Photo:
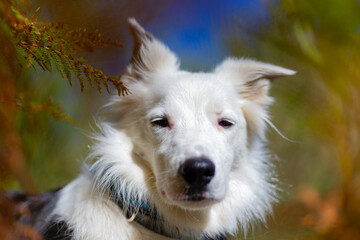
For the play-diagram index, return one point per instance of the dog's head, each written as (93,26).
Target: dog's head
(193,131)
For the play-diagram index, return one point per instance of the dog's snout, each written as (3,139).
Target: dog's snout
(197,172)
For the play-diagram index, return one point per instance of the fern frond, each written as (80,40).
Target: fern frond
(57,62)
(33,55)
(119,85)
(46,59)
(96,79)
(65,66)
(87,74)
(36,55)
(35,15)
(50,44)
(76,67)
(102,78)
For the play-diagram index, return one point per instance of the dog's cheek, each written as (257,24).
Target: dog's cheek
(235,152)
(159,172)
(238,142)
(165,177)
(144,143)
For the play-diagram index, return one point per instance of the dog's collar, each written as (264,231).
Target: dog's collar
(145,213)
(138,210)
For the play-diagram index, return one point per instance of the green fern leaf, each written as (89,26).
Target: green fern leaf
(57,62)
(122,90)
(97,80)
(47,59)
(21,51)
(33,36)
(34,16)
(65,66)
(77,70)
(102,78)
(87,74)
(37,57)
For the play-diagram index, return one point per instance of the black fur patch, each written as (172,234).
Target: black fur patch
(58,231)
(37,204)
(39,207)
(219,237)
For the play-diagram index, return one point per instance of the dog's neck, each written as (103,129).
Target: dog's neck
(138,210)
(144,212)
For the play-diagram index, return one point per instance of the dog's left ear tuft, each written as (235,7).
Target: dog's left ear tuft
(252,81)
(149,54)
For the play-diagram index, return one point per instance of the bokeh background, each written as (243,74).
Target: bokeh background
(318,109)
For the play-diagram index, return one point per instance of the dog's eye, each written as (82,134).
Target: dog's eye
(160,122)
(225,123)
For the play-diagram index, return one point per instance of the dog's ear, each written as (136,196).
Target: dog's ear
(252,81)
(149,54)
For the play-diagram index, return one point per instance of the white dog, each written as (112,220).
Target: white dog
(182,158)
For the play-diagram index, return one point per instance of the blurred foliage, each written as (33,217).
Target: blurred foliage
(320,108)
(25,41)
(24,113)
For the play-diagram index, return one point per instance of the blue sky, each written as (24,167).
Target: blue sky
(194,29)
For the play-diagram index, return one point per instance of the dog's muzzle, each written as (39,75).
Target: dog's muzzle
(197,173)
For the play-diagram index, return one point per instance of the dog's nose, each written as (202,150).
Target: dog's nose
(197,172)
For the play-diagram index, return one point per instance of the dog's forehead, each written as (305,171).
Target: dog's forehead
(199,91)
(191,86)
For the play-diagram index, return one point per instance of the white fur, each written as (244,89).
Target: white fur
(143,160)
